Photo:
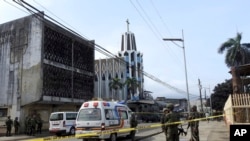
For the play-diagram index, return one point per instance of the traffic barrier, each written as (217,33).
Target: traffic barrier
(142,127)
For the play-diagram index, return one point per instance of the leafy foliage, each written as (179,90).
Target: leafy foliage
(220,95)
(115,84)
(237,53)
(132,85)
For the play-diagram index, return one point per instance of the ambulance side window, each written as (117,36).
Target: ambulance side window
(124,114)
(109,114)
(71,116)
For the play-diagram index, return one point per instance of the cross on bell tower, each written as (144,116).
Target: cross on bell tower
(127,25)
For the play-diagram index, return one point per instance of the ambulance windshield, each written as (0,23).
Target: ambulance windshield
(90,114)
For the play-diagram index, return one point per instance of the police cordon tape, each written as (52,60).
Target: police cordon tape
(98,133)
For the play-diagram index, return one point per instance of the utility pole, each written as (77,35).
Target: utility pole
(211,112)
(200,87)
(205,99)
(185,64)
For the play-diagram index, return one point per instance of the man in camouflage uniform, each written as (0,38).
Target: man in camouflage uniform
(8,124)
(133,124)
(32,125)
(16,125)
(194,124)
(165,111)
(171,130)
(26,124)
(39,124)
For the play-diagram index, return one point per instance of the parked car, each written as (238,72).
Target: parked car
(62,123)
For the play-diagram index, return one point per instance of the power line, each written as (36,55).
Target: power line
(165,26)
(154,30)
(160,17)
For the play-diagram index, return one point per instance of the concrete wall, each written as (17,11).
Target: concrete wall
(31,69)
(20,62)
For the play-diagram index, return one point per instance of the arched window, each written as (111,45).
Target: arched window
(103,77)
(110,77)
(96,78)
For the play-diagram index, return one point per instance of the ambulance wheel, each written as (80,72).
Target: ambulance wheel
(72,131)
(112,137)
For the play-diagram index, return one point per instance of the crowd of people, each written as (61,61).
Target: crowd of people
(33,124)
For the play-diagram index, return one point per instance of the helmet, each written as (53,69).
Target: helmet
(164,109)
(170,106)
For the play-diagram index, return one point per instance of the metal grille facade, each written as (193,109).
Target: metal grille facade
(68,66)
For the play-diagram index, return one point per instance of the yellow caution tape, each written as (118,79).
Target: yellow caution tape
(98,133)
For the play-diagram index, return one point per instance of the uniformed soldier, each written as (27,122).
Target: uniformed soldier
(133,124)
(26,124)
(39,124)
(165,111)
(8,124)
(194,125)
(32,125)
(16,125)
(171,130)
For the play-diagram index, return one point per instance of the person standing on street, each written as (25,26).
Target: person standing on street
(165,111)
(194,125)
(207,115)
(27,125)
(171,130)
(8,124)
(32,125)
(39,124)
(133,124)
(16,125)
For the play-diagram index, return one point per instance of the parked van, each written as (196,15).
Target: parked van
(62,123)
(102,116)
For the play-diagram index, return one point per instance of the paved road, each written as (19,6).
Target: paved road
(212,131)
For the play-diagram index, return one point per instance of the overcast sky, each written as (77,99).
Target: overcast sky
(205,24)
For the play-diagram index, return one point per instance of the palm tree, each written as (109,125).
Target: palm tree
(132,85)
(115,84)
(237,53)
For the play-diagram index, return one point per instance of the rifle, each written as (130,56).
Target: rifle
(181,131)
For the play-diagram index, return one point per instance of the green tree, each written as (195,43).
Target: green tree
(220,95)
(115,84)
(237,53)
(132,85)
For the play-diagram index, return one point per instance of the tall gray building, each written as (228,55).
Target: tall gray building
(43,68)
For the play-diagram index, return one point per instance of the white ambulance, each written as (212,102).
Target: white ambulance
(103,120)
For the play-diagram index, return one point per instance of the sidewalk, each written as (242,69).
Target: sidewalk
(219,132)
(23,136)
